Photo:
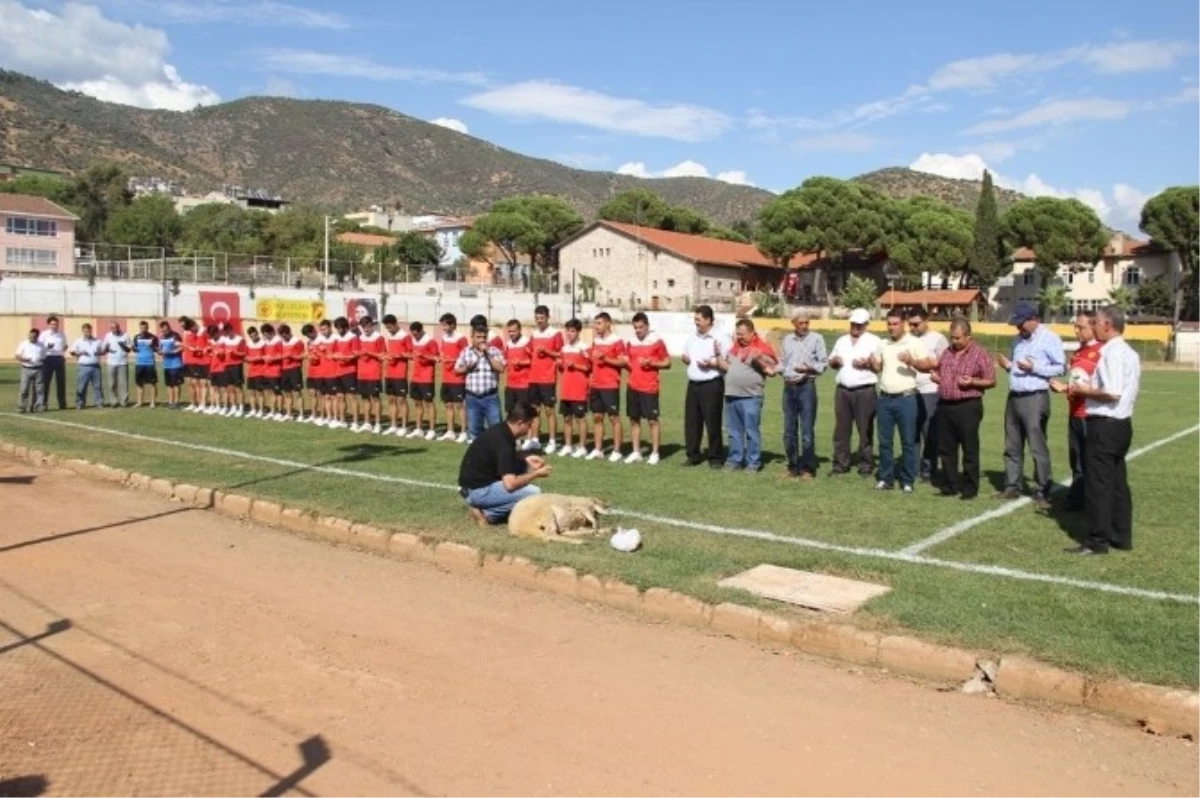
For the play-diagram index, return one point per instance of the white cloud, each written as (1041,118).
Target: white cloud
(450,123)
(1121,210)
(837,142)
(266,13)
(1057,112)
(559,102)
(1140,56)
(688,168)
(986,71)
(310,62)
(80,49)
(280,87)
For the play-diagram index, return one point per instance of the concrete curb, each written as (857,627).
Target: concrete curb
(1158,709)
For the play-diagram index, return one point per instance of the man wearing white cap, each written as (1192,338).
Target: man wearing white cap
(854,397)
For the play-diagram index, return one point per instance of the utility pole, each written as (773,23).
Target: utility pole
(325,283)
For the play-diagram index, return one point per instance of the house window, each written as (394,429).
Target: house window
(706,283)
(670,283)
(720,285)
(1092,275)
(1133,275)
(1070,277)
(608,252)
(654,283)
(21,226)
(1028,277)
(27,258)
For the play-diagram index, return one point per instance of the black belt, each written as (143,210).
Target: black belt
(898,395)
(1019,394)
(942,401)
(492,392)
(856,388)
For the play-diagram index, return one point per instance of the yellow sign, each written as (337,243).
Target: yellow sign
(289,310)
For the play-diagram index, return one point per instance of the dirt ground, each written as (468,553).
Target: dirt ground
(147,648)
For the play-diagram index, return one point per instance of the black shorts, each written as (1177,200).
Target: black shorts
(570,409)
(173,377)
(639,405)
(234,376)
(347,384)
(396,387)
(254,384)
(270,384)
(317,385)
(330,386)
(291,380)
(512,396)
(421,391)
(145,375)
(454,394)
(196,371)
(217,378)
(369,389)
(605,400)
(541,395)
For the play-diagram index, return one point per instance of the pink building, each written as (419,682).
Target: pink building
(36,236)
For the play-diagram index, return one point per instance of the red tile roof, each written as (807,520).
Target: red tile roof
(1119,246)
(698,249)
(33,206)
(365,239)
(928,298)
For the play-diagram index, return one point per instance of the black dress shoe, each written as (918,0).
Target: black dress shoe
(946,492)
(1085,550)
(692,463)
(837,472)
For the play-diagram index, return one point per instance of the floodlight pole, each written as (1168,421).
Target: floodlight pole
(325,283)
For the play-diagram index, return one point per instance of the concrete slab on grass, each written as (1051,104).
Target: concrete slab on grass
(815,591)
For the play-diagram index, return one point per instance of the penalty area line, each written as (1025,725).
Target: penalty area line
(678,523)
(954,530)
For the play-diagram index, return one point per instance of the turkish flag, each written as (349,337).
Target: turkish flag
(218,307)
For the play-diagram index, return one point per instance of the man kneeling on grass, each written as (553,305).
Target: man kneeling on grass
(493,475)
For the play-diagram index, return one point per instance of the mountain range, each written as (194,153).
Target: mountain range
(344,156)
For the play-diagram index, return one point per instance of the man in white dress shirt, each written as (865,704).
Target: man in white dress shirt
(705,399)
(30,354)
(1109,398)
(854,397)
(116,365)
(54,367)
(86,351)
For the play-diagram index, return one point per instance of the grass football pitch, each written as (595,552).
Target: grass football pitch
(961,573)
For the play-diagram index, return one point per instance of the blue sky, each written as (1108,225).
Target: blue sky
(1096,100)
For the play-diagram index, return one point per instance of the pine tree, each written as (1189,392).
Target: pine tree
(987,263)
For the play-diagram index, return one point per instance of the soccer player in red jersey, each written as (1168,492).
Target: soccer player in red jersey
(372,352)
(496,340)
(545,344)
(575,365)
(272,372)
(291,372)
(234,347)
(451,344)
(195,362)
(216,371)
(426,354)
(608,358)
(399,353)
(647,355)
(321,373)
(1083,364)
(255,364)
(345,359)
(516,355)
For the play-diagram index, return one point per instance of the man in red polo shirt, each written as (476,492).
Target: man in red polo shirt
(962,373)
(516,376)
(195,362)
(746,367)
(451,344)
(425,356)
(291,372)
(545,344)
(575,365)
(321,377)
(1083,365)
(647,355)
(345,359)
(372,351)
(399,352)
(255,364)
(272,372)
(608,358)
(234,348)
(216,372)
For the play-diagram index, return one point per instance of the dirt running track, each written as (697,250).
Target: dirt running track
(199,654)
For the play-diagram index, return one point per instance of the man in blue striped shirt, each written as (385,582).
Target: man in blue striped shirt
(1037,356)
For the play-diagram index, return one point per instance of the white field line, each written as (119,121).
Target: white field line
(942,535)
(679,523)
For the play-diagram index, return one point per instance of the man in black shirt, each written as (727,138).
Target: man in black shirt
(493,475)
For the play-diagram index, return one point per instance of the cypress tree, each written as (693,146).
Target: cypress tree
(987,262)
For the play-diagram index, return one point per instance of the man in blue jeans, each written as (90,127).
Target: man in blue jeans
(480,364)
(802,359)
(494,476)
(86,352)
(746,365)
(896,361)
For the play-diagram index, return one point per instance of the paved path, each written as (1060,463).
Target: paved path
(201,654)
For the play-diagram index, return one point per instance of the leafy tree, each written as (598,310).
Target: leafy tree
(685,220)
(1059,231)
(744,228)
(509,233)
(987,263)
(726,234)
(929,235)
(1123,297)
(859,292)
(216,227)
(529,225)
(296,230)
(639,206)
(1054,299)
(149,221)
(413,249)
(55,189)
(1155,298)
(1172,218)
(94,194)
